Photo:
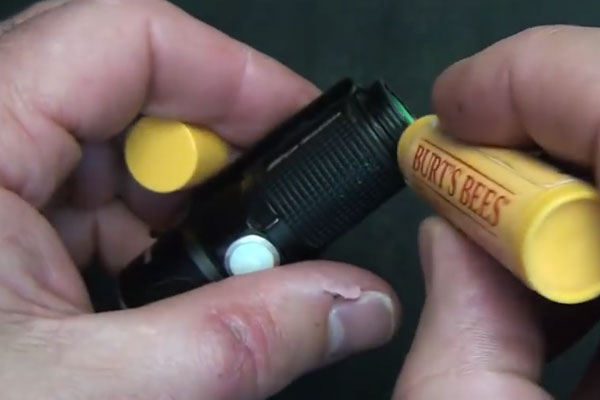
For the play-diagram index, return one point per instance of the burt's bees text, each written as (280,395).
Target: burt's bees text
(461,184)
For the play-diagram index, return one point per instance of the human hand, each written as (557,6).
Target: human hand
(482,334)
(73,75)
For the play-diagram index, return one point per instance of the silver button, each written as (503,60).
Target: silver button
(250,254)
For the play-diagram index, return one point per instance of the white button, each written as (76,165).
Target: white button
(251,254)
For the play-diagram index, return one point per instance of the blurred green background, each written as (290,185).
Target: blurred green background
(407,43)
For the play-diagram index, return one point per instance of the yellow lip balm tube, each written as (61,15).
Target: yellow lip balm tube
(166,156)
(540,223)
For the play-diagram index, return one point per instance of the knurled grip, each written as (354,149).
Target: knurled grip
(341,173)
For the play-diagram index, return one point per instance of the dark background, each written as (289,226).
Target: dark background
(407,43)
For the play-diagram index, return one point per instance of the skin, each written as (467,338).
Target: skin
(73,74)
(482,335)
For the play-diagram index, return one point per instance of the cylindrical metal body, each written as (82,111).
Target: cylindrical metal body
(309,181)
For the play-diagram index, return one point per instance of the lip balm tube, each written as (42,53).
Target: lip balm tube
(166,156)
(540,223)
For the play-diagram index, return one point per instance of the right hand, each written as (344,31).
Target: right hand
(482,334)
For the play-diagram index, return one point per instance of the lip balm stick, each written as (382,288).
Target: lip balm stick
(540,223)
(166,155)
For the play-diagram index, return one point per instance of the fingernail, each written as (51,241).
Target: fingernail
(360,324)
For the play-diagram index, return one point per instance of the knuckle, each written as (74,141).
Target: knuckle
(134,4)
(30,13)
(531,39)
(522,64)
(542,31)
(528,54)
(246,340)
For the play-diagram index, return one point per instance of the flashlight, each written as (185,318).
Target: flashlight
(310,180)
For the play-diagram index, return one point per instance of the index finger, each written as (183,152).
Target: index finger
(84,69)
(539,87)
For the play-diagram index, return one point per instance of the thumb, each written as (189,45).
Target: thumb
(477,338)
(243,338)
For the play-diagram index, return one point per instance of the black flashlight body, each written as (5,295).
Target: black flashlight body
(309,181)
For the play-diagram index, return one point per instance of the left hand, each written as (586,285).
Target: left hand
(73,75)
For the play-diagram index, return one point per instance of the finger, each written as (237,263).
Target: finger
(243,338)
(534,88)
(77,229)
(96,181)
(477,338)
(157,210)
(121,236)
(111,234)
(101,176)
(94,225)
(148,56)
(36,275)
(538,87)
(29,13)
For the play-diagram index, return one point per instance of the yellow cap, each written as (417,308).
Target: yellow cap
(166,155)
(559,244)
